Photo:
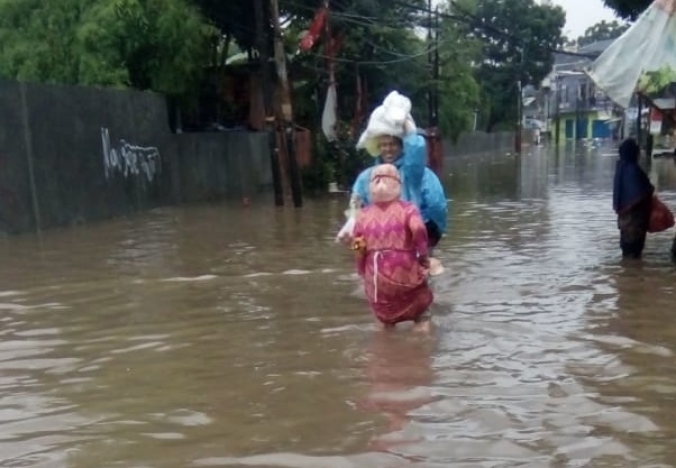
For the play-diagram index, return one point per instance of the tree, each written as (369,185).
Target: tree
(459,91)
(654,82)
(153,44)
(602,31)
(37,39)
(235,21)
(518,38)
(161,44)
(628,9)
(377,41)
(378,47)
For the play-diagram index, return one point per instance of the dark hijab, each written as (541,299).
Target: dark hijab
(631,183)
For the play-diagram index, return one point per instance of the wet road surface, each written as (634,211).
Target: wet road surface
(218,335)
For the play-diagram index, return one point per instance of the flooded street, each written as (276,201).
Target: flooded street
(223,336)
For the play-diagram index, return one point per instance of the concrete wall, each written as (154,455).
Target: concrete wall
(70,154)
(74,154)
(223,165)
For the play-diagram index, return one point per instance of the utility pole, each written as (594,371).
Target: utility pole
(435,115)
(430,65)
(262,30)
(433,139)
(287,110)
(519,106)
(639,121)
(519,128)
(557,127)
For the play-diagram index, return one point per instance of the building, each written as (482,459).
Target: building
(573,104)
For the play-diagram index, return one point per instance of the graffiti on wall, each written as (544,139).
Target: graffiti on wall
(130,160)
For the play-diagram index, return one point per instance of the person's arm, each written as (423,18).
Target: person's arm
(358,199)
(646,181)
(412,166)
(360,254)
(418,233)
(617,186)
(360,187)
(434,205)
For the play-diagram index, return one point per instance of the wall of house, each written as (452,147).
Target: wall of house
(586,125)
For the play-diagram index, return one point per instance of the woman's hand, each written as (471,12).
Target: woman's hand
(345,233)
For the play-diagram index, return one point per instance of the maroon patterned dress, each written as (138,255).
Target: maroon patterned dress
(393,235)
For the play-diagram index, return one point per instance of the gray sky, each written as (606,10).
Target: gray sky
(580,14)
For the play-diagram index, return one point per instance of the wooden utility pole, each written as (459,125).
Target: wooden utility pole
(430,65)
(262,36)
(434,144)
(435,107)
(287,109)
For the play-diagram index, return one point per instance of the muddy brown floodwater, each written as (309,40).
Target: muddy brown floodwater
(215,336)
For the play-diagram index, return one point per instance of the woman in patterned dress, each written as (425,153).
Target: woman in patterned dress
(391,240)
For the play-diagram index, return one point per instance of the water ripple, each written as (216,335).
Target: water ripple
(219,336)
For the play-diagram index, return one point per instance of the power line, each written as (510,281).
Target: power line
(402,58)
(468,18)
(472,20)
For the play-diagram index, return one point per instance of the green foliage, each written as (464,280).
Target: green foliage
(153,44)
(654,82)
(336,161)
(628,9)
(166,45)
(459,91)
(387,55)
(37,39)
(236,19)
(315,179)
(377,43)
(233,19)
(602,31)
(518,37)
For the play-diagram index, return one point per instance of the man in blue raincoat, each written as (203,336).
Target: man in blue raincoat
(420,185)
(391,137)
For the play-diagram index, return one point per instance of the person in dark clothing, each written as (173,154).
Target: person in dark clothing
(632,198)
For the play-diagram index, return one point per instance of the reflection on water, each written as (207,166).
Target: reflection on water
(228,336)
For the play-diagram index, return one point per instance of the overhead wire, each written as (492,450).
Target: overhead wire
(477,22)
(366,21)
(468,18)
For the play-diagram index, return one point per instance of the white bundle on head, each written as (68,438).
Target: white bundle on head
(392,117)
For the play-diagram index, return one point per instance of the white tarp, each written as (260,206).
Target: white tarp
(649,45)
(329,117)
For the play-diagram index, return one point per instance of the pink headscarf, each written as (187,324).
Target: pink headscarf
(385,184)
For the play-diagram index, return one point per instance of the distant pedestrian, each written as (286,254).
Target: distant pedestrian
(632,200)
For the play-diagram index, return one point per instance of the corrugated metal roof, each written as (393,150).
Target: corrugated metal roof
(593,48)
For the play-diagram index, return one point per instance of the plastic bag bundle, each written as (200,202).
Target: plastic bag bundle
(392,117)
(346,231)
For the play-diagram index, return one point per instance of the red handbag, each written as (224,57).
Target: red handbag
(661,217)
